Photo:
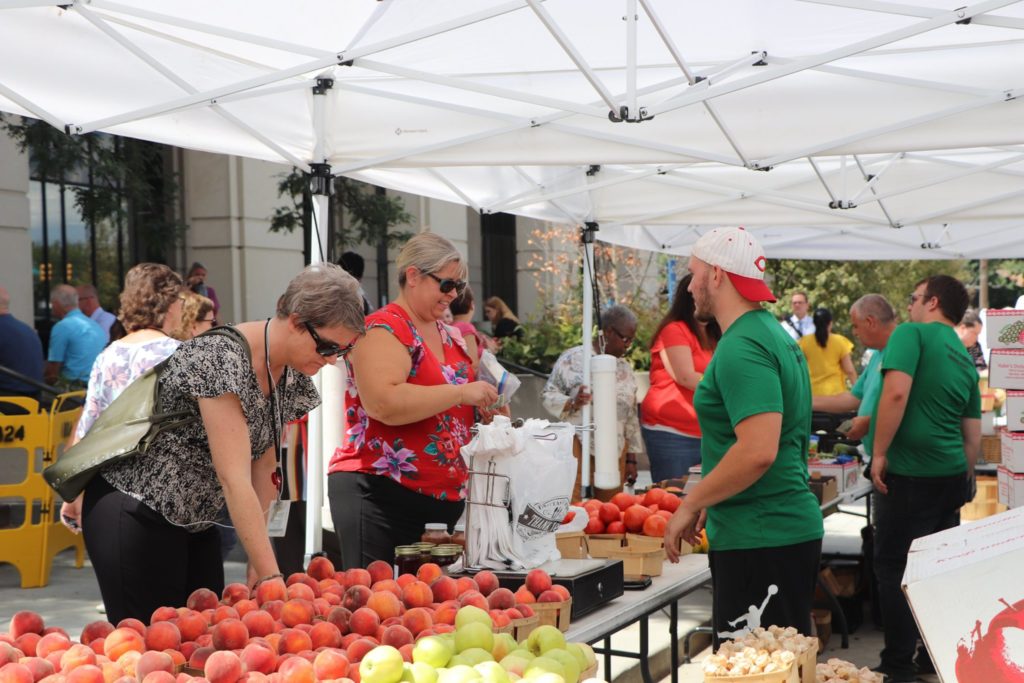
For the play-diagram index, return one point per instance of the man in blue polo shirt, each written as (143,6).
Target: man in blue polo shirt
(75,341)
(20,350)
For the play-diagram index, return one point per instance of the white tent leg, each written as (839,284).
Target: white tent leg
(588,324)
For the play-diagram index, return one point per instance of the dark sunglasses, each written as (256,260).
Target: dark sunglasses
(447,284)
(627,341)
(328,348)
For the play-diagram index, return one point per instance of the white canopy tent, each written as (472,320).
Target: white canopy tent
(842,128)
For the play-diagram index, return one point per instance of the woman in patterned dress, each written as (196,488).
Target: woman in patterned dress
(150,520)
(409,408)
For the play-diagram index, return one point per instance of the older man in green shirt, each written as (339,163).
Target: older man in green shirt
(754,407)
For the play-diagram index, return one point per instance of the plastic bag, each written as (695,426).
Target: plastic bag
(494,373)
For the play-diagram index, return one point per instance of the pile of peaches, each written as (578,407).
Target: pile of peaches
(316,626)
(645,513)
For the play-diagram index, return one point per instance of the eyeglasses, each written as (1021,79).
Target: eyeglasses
(328,348)
(448,284)
(914,297)
(628,341)
(212,321)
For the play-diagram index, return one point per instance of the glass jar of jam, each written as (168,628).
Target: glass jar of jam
(436,533)
(424,549)
(408,559)
(443,557)
(459,535)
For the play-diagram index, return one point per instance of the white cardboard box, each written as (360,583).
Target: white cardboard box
(846,473)
(1013,409)
(955,581)
(1012,450)
(1000,332)
(1010,486)
(1006,369)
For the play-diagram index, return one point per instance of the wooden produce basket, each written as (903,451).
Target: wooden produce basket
(509,628)
(523,627)
(572,545)
(642,543)
(992,448)
(637,564)
(806,663)
(789,675)
(600,545)
(555,614)
(589,672)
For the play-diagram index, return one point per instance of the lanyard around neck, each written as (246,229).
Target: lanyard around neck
(276,411)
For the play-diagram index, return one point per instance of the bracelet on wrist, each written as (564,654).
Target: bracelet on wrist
(267,578)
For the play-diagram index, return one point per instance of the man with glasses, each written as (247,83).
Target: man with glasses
(800,322)
(927,439)
(565,394)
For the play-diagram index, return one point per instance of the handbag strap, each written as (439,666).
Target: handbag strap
(233,333)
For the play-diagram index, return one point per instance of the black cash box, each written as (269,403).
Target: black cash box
(592,583)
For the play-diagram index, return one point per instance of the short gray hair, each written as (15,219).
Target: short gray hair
(617,316)
(324,295)
(65,295)
(428,252)
(971,318)
(874,306)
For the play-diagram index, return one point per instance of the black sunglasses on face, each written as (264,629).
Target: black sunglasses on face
(448,284)
(328,348)
(627,341)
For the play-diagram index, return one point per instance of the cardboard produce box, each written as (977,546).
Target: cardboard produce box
(845,473)
(1006,369)
(1012,451)
(825,488)
(1004,328)
(958,582)
(1010,487)
(1013,409)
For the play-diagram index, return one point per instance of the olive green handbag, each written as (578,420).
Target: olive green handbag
(127,427)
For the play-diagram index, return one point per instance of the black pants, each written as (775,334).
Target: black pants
(914,507)
(372,514)
(741,582)
(141,560)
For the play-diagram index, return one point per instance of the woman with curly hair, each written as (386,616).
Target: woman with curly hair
(150,307)
(196,317)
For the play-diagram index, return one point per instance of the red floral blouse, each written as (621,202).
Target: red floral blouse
(422,456)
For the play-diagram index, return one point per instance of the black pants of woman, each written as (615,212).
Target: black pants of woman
(372,514)
(141,560)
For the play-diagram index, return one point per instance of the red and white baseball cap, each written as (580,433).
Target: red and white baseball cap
(739,254)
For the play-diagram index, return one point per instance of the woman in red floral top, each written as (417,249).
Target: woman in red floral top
(409,408)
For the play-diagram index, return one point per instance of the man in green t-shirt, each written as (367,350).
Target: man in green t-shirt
(754,408)
(873,319)
(927,440)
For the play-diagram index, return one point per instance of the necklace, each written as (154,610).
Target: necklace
(276,412)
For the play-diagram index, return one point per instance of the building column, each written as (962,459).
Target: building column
(15,235)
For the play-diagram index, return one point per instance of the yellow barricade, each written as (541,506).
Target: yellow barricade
(64,415)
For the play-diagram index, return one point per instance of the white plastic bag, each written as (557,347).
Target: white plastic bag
(494,373)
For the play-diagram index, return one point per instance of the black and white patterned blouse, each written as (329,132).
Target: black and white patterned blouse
(176,478)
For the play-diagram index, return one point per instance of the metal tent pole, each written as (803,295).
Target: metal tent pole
(587,238)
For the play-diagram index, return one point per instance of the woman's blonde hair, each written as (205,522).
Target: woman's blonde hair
(498,304)
(149,291)
(194,308)
(324,295)
(428,252)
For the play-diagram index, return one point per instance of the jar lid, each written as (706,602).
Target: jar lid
(460,527)
(435,526)
(406,550)
(445,552)
(451,546)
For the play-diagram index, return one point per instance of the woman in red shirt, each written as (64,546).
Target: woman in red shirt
(680,353)
(409,408)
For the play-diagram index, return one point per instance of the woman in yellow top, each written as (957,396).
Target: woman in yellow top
(828,357)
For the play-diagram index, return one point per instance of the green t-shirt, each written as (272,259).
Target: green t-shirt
(928,442)
(868,388)
(758,368)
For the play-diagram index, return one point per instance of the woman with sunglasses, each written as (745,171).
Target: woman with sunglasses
(410,403)
(150,521)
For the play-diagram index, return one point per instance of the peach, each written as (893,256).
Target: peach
(273,608)
(243,607)
(358,649)
(187,649)
(258,658)
(538,581)
(501,598)
(297,611)
(233,592)
(191,625)
(358,577)
(417,620)
(202,598)
(230,634)
(473,598)
(25,622)
(466,584)
(320,567)
(163,635)
(223,667)
(499,618)
(429,572)
(300,591)
(396,636)
(444,628)
(340,616)
(332,599)
(417,594)
(364,621)
(52,642)
(8,653)
(223,612)
(13,672)
(445,588)
(158,677)
(199,657)
(133,624)
(176,656)
(445,614)
(89,673)
(561,590)
(296,670)
(205,640)
(153,661)
(75,656)
(111,671)
(325,634)
(389,585)
(356,597)
(386,604)
(406,652)
(549,596)
(27,642)
(329,664)
(380,570)
(487,582)
(404,580)
(513,613)
(274,589)
(97,645)
(53,658)
(258,623)
(526,610)
(39,667)
(348,639)
(127,662)
(294,641)
(523,595)
(163,614)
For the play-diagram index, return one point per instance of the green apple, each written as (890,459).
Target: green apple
(576,651)
(504,643)
(544,638)
(492,672)
(432,650)
(545,665)
(568,661)
(588,654)
(382,664)
(470,614)
(458,674)
(475,655)
(418,672)
(514,664)
(523,652)
(475,634)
